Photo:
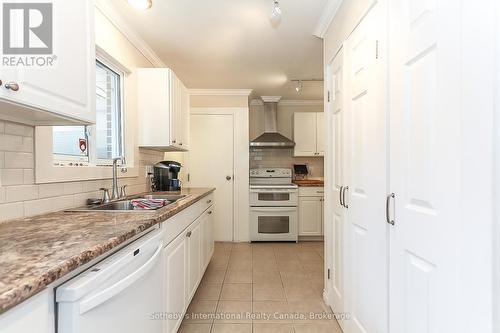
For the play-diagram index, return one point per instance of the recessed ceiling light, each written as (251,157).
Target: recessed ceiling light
(141,4)
(276,13)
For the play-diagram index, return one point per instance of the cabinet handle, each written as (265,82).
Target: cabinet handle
(387,208)
(320,192)
(12,86)
(1,82)
(189,234)
(340,195)
(345,189)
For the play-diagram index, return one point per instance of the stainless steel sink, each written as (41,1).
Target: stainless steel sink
(126,205)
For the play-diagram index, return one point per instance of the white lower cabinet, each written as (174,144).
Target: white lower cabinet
(186,258)
(33,315)
(176,273)
(311,211)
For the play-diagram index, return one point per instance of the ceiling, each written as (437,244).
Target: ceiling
(231,44)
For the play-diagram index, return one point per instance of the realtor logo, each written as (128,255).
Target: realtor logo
(27,28)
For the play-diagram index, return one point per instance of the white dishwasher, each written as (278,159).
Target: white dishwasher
(119,294)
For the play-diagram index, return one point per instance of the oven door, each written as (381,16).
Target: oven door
(274,223)
(265,197)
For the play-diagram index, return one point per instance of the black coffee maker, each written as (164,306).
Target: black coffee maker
(166,176)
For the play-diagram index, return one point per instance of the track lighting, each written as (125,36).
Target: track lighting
(298,88)
(141,4)
(299,84)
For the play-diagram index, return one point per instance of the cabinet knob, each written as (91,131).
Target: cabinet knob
(209,201)
(189,234)
(174,141)
(12,86)
(210,213)
(1,82)
(180,144)
(228,178)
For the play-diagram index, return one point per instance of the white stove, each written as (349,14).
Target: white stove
(273,205)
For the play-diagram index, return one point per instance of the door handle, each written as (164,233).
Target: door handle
(345,189)
(228,178)
(387,208)
(340,195)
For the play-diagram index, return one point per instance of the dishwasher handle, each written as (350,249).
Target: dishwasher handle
(119,286)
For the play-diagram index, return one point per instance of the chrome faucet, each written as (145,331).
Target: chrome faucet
(115,194)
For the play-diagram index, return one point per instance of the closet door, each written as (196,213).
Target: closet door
(337,111)
(366,155)
(425,165)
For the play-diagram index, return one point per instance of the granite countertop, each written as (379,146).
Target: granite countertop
(37,251)
(310,182)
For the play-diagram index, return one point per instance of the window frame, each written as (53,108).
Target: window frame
(47,170)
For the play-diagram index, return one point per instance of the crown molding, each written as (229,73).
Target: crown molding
(271,99)
(117,20)
(220,92)
(331,8)
(289,102)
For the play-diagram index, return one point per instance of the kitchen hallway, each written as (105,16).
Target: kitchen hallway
(262,287)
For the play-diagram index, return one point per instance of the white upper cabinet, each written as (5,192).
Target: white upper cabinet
(308,134)
(163,108)
(57,94)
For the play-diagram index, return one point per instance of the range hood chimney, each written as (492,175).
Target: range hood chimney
(271,138)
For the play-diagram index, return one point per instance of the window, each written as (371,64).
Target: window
(99,143)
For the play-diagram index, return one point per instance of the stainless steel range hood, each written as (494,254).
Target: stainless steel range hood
(271,138)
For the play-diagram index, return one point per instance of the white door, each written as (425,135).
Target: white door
(67,88)
(310,216)
(337,165)
(175,285)
(320,134)
(304,133)
(211,165)
(425,165)
(366,156)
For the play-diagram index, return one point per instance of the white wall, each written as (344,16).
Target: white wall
(19,195)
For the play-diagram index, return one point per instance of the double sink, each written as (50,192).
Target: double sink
(126,204)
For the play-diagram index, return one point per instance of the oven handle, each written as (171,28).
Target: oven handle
(274,191)
(273,209)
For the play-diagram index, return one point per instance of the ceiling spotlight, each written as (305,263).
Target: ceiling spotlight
(276,13)
(298,88)
(141,4)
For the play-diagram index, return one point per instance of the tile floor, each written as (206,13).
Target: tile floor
(261,288)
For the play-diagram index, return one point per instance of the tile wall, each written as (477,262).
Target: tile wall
(284,158)
(21,197)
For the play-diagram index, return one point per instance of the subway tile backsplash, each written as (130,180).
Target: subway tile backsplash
(21,197)
(284,158)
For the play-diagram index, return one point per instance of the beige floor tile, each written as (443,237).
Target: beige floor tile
(312,266)
(267,265)
(299,292)
(234,312)
(208,292)
(240,265)
(272,312)
(214,276)
(294,277)
(263,276)
(305,307)
(272,328)
(239,276)
(194,328)
(242,247)
(223,246)
(317,328)
(309,255)
(268,292)
(289,266)
(286,255)
(201,312)
(242,255)
(218,264)
(236,292)
(263,256)
(232,328)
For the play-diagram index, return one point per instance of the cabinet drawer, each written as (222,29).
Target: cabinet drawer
(177,223)
(311,191)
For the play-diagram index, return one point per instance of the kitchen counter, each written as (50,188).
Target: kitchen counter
(309,182)
(39,250)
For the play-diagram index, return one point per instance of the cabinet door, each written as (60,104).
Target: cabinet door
(68,87)
(320,134)
(175,257)
(304,133)
(366,127)
(175,111)
(194,240)
(310,216)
